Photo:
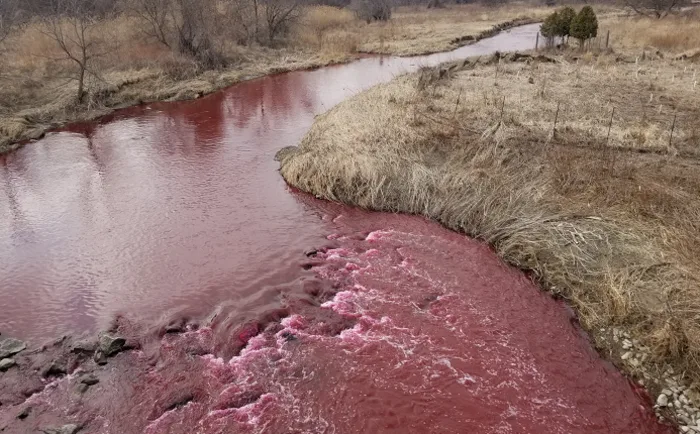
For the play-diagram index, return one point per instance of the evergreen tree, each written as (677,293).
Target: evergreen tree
(585,25)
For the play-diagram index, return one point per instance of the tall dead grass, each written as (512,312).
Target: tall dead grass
(674,34)
(37,92)
(612,230)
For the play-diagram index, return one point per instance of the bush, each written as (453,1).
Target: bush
(549,26)
(566,17)
(585,25)
(372,10)
(558,23)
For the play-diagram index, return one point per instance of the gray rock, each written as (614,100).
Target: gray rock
(24,413)
(662,400)
(90,380)
(6,364)
(82,387)
(110,345)
(70,428)
(84,346)
(54,369)
(10,347)
(100,358)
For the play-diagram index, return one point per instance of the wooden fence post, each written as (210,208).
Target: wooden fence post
(673,126)
(503,105)
(556,116)
(537,42)
(607,139)
(607,39)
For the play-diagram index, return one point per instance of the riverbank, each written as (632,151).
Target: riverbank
(527,154)
(33,100)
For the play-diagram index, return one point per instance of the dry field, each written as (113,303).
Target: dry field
(604,214)
(414,31)
(674,35)
(37,91)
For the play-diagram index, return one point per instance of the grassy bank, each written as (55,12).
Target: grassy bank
(38,92)
(605,214)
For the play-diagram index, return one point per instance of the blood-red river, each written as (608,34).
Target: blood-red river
(293,315)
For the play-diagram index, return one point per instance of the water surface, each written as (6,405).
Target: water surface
(304,316)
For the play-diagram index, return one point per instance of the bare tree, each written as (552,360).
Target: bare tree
(654,8)
(71,25)
(195,22)
(8,16)
(280,15)
(372,10)
(155,14)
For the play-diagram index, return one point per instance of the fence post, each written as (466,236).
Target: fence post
(537,42)
(607,39)
(673,126)
(556,116)
(607,139)
(503,105)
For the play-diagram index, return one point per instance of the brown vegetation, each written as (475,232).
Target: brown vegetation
(73,64)
(603,208)
(675,34)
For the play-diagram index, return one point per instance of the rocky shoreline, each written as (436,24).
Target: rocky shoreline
(25,373)
(675,401)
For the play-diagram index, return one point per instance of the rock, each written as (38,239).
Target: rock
(311,252)
(662,400)
(84,346)
(55,369)
(100,358)
(110,345)
(82,387)
(6,364)
(667,392)
(626,356)
(10,347)
(90,380)
(71,428)
(24,413)
(685,428)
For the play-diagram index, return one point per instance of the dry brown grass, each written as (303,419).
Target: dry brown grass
(36,91)
(610,228)
(674,34)
(413,31)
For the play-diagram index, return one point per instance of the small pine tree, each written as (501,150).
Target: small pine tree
(550,25)
(566,17)
(585,25)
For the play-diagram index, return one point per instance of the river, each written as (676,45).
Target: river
(301,315)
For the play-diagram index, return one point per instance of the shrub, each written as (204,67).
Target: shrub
(549,26)
(558,23)
(566,17)
(372,10)
(585,25)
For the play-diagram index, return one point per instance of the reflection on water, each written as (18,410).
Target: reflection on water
(172,207)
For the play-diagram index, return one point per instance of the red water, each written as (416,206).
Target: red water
(172,211)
